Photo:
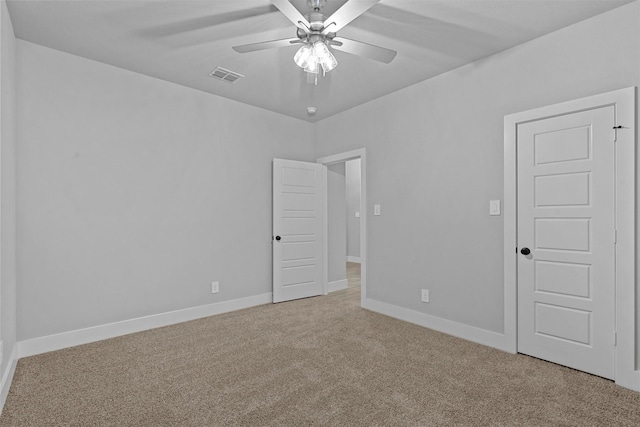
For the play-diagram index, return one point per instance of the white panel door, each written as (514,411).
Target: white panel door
(298,229)
(566,221)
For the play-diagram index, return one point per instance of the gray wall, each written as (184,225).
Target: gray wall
(337,222)
(7,189)
(353,206)
(435,159)
(135,193)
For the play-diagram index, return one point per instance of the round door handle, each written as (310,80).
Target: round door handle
(278,238)
(525,251)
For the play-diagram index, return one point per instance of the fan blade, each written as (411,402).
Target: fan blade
(292,14)
(347,13)
(200,22)
(252,47)
(367,50)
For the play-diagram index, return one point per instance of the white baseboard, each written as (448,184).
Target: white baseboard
(632,381)
(338,284)
(7,378)
(353,259)
(460,330)
(62,340)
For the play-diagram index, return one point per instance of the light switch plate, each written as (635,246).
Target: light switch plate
(376,209)
(357,214)
(494,207)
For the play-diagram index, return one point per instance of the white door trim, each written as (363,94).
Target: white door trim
(624,102)
(361,154)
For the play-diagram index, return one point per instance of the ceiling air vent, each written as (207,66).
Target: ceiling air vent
(225,75)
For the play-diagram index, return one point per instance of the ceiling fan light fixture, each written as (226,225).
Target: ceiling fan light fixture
(313,55)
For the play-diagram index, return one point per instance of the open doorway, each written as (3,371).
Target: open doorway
(346,221)
(353,191)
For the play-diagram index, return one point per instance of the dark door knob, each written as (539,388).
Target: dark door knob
(525,251)
(278,238)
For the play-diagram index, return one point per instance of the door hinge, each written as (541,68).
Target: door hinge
(615,236)
(615,339)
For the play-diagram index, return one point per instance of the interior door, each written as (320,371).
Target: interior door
(566,240)
(299,197)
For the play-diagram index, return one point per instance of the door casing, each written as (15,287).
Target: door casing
(623,101)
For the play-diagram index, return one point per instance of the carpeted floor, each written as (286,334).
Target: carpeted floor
(316,361)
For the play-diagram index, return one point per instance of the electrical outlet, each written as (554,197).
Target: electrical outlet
(215,287)
(425,295)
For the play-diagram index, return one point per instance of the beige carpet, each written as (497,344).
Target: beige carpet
(317,361)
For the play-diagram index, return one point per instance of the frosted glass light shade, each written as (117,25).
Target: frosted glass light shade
(303,55)
(312,65)
(324,55)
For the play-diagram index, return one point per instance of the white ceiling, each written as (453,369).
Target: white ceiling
(182,41)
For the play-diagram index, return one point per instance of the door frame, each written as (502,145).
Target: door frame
(623,101)
(361,154)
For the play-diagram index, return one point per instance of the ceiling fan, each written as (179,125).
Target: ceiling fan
(317,33)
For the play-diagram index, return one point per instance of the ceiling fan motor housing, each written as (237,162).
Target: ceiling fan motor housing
(316,20)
